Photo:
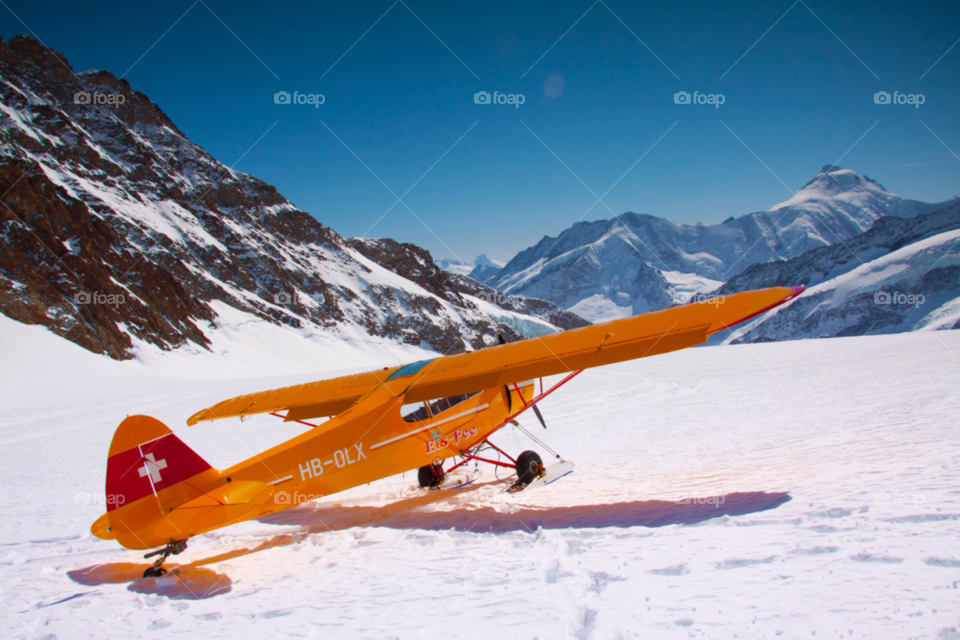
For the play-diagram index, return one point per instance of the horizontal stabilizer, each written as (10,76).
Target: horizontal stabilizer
(214,508)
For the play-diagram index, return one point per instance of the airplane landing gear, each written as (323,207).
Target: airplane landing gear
(174,547)
(529,468)
(431,476)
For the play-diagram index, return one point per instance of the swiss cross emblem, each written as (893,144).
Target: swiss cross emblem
(152,466)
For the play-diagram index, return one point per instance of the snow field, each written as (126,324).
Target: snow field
(860,432)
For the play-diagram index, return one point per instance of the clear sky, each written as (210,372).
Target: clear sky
(598,82)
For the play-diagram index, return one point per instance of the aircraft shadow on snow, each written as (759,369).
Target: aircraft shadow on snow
(194,581)
(185,582)
(417,513)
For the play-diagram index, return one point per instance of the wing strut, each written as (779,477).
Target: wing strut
(470,454)
(280,415)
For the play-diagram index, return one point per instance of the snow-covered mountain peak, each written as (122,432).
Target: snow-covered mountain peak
(837,183)
(485,260)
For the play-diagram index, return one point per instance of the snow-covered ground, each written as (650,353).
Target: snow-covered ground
(797,489)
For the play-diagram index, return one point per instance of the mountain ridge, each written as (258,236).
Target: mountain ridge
(118,229)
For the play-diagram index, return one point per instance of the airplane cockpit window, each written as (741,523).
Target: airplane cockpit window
(442,404)
(414,412)
(418,411)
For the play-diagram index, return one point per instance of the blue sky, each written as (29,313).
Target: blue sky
(598,80)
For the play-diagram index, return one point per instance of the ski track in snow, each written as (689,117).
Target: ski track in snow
(859,433)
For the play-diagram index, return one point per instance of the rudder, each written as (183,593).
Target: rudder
(145,458)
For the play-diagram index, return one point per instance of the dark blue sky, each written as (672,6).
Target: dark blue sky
(400,99)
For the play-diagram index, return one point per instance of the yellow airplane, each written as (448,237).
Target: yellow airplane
(160,492)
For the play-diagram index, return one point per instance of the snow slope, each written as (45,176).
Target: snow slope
(831,467)
(915,287)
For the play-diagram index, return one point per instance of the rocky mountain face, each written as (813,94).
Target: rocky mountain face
(635,262)
(118,230)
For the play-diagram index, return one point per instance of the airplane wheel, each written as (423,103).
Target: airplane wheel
(154,572)
(429,476)
(529,466)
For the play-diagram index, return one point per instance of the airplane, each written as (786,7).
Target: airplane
(381,423)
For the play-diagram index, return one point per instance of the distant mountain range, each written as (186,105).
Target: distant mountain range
(636,263)
(118,232)
(463,268)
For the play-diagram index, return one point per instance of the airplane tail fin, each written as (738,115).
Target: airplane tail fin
(145,458)
(159,489)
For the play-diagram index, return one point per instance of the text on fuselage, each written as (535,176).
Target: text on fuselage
(313,468)
(439,441)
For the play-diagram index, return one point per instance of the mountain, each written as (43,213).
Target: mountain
(526,316)
(901,275)
(462,268)
(120,234)
(636,262)
(824,263)
(451,265)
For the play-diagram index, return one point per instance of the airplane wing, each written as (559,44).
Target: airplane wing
(600,344)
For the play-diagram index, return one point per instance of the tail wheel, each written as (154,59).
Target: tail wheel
(529,467)
(154,572)
(430,475)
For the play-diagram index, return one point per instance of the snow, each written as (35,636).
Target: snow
(528,326)
(943,317)
(458,267)
(483,260)
(17,120)
(895,275)
(859,433)
(243,345)
(463,268)
(599,309)
(686,285)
